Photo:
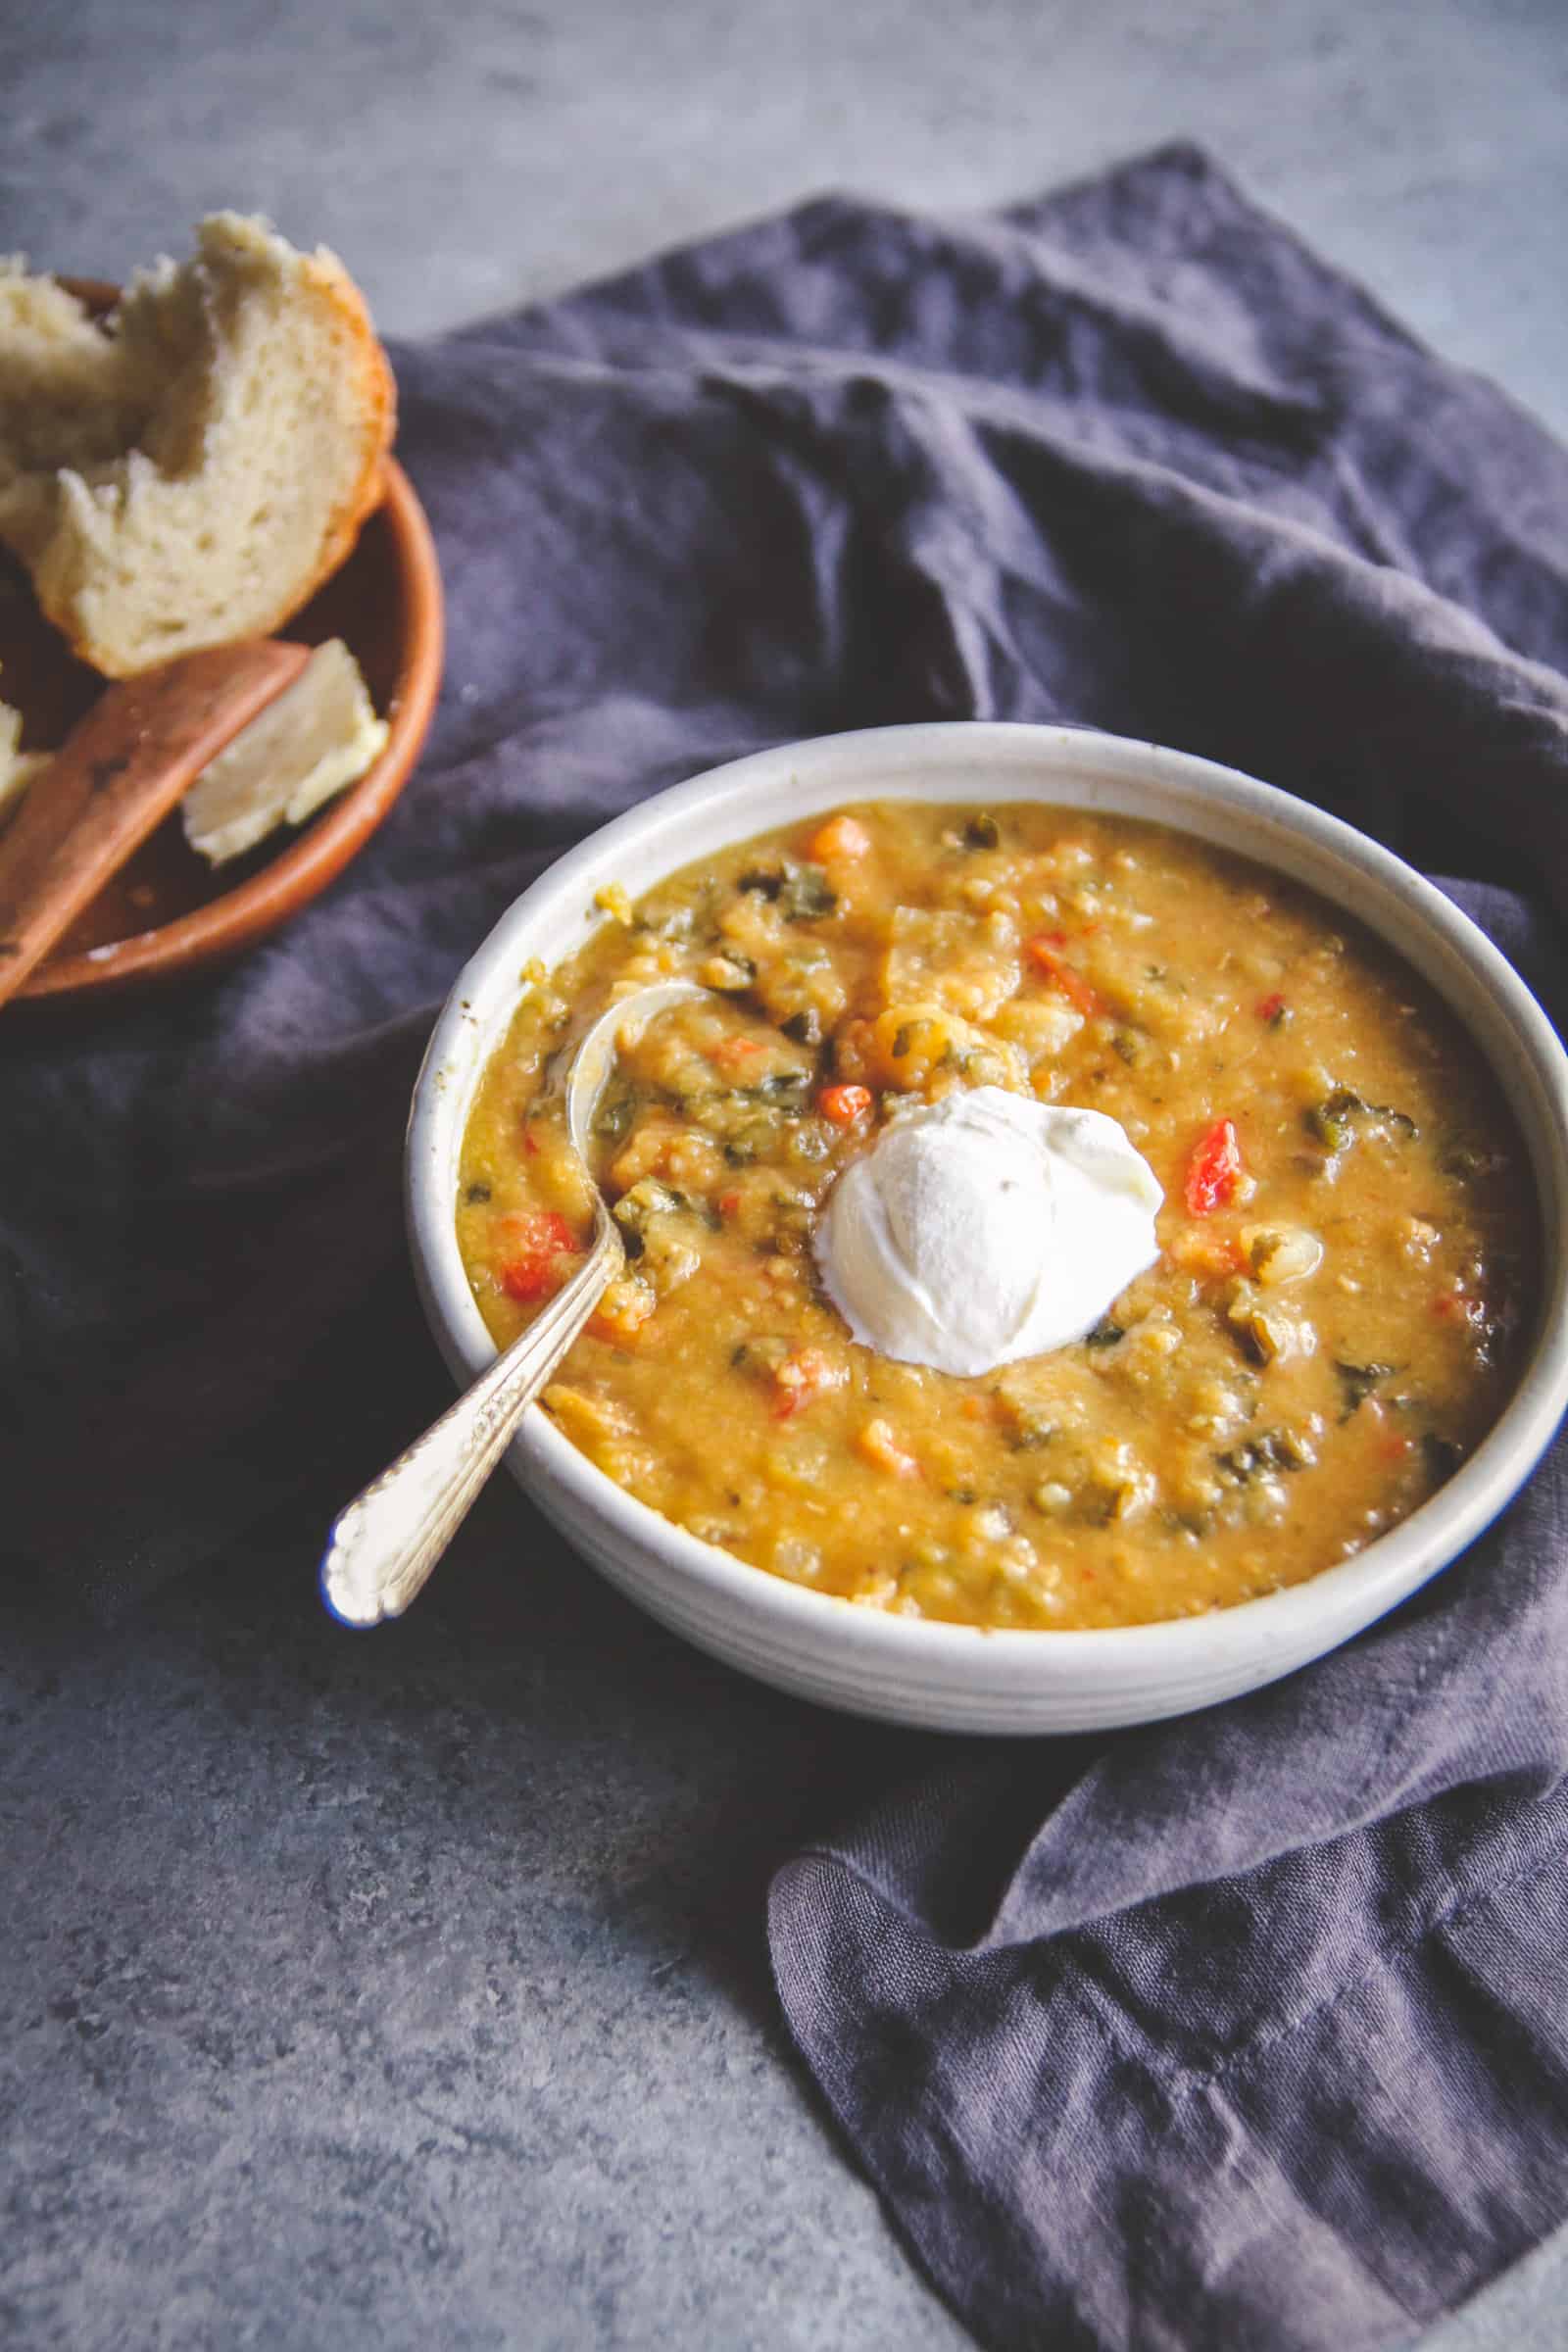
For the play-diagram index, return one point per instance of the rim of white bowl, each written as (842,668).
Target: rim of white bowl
(1480,986)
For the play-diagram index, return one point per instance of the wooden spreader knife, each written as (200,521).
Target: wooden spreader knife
(117,776)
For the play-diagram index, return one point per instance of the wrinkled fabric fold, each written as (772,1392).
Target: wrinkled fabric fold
(1248,2030)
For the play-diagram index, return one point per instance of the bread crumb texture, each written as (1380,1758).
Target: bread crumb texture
(191,470)
(16,766)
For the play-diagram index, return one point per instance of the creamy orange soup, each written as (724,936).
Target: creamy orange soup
(1346,1245)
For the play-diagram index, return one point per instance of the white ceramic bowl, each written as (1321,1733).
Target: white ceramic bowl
(956,1677)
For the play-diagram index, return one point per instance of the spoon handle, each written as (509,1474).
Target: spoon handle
(384,1545)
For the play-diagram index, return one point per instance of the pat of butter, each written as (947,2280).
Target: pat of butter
(317,736)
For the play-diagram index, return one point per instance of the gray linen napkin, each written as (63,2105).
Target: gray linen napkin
(1249,2031)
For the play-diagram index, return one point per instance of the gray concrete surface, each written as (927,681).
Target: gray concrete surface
(464,156)
(410,1991)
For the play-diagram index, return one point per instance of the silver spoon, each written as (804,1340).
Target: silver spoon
(384,1545)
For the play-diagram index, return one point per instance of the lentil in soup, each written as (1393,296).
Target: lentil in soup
(1346,1243)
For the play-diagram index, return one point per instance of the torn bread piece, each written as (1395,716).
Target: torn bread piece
(192,468)
(67,395)
(319,735)
(17,768)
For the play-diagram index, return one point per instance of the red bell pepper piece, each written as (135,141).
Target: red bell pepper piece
(1214,1170)
(543,1239)
(1072,984)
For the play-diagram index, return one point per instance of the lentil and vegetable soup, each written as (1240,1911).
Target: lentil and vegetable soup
(1348,1241)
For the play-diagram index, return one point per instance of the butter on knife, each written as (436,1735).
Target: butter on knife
(127,763)
(317,736)
(315,739)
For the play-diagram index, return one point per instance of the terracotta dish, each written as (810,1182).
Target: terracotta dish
(166,910)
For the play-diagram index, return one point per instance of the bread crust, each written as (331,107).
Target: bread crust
(379,399)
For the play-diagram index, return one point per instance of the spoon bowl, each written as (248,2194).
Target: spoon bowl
(383,1547)
(591,1060)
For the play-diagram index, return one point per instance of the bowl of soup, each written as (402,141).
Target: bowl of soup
(1342,1344)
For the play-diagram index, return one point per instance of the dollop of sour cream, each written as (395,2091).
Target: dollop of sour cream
(986,1227)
